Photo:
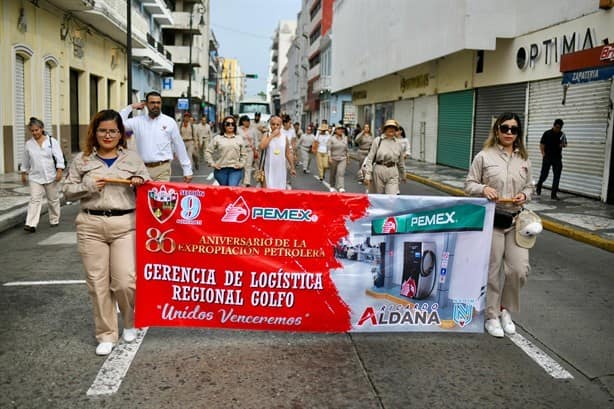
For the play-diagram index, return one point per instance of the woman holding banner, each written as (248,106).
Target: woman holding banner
(103,178)
(502,172)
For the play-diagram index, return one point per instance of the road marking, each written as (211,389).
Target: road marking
(50,282)
(114,369)
(550,365)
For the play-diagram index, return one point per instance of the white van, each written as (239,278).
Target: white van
(250,106)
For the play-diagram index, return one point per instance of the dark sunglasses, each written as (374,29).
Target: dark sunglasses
(507,128)
(229,124)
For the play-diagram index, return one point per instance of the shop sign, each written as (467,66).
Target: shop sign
(552,48)
(359,95)
(588,75)
(419,81)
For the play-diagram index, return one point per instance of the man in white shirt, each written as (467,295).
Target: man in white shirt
(157,138)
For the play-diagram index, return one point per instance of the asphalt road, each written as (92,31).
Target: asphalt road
(47,345)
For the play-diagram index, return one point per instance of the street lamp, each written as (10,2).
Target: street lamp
(200,23)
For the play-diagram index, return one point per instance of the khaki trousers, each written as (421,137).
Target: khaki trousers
(249,167)
(160,173)
(306,157)
(504,289)
(322,162)
(384,180)
(107,248)
(51,190)
(337,173)
(191,150)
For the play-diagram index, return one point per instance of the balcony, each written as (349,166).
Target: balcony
(140,30)
(181,21)
(181,54)
(153,59)
(313,72)
(180,89)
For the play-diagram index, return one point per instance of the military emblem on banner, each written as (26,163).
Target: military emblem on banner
(162,203)
(462,314)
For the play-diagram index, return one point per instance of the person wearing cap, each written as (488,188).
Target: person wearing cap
(157,138)
(188,135)
(501,172)
(385,163)
(364,140)
(322,138)
(337,150)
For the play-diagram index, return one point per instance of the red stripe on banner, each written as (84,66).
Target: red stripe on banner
(240,258)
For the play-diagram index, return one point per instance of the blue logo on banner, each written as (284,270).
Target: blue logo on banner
(167,83)
(182,103)
(463,314)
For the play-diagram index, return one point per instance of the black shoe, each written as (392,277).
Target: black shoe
(554,197)
(538,191)
(29,229)
(55,225)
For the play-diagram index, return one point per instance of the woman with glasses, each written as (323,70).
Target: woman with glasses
(43,162)
(227,154)
(106,223)
(278,156)
(501,172)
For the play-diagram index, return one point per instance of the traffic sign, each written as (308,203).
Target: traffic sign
(167,83)
(182,103)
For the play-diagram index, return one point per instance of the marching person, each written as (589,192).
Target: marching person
(337,150)
(203,135)
(157,139)
(363,140)
(322,138)
(106,224)
(258,127)
(384,164)
(551,146)
(188,135)
(278,156)
(246,132)
(502,170)
(227,154)
(43,162)
(304,148)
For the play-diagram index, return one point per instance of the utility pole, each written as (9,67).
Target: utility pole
(129,49)
(201,22)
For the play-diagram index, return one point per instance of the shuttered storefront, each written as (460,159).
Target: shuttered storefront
(19,128)
(490,102)
(585,114)
(455,125)
(47,100)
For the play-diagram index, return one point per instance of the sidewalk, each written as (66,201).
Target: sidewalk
(583,219)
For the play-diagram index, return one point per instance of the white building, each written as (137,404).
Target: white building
(282,39)
(445,68)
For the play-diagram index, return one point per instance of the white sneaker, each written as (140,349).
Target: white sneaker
(493,327)
(506,322)
(342,190)
(104,348)
(332,189)
(129,334)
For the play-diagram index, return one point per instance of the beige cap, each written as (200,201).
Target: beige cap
(528,226)
(323,128)
(391,122)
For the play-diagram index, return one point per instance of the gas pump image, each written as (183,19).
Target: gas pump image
(445,272)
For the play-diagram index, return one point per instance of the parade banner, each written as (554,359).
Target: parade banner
(221,257)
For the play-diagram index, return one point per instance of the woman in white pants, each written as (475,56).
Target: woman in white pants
(43,164)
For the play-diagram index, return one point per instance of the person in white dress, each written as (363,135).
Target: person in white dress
(278,156)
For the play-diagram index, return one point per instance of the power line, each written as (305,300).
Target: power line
(234,30)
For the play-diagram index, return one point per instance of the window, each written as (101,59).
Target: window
(315,60)
(315,34)
(325,64)
(314,10)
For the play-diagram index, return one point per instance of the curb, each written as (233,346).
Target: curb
(549,224)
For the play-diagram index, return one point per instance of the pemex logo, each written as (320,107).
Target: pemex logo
(390,226)
(236,212)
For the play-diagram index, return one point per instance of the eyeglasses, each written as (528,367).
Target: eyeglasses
(229,124)
(112,132)
(507,129)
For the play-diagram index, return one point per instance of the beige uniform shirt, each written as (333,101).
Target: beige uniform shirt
(508,175)
(187,132)
(388,153)
(80,184)
(337,148)
(227,151)
(203,134)
(364,141)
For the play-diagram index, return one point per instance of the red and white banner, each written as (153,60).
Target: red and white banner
(309,261)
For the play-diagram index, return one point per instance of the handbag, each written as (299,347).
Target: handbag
(503,220)
(314,146)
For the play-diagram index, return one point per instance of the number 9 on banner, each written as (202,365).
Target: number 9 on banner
(190,207)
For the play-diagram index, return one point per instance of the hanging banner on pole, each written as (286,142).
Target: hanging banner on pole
(260,259)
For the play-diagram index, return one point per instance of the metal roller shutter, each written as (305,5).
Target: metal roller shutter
(19,127)
(47,100)
(585,114)
(455,124)
(492,102)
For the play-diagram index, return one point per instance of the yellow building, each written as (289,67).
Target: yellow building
(59,67)
(232,84)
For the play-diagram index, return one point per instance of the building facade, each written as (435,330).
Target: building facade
(282,39)
(445,88)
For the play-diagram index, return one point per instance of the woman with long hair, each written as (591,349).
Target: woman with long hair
(106,223)
(501,172)
(43,163)
(227,154)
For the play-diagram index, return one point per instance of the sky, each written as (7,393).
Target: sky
(244,30)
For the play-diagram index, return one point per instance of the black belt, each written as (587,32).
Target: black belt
(387,164)
(107,213)
(154,164)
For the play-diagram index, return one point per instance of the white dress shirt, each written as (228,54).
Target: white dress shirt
(157,138)
(38,159)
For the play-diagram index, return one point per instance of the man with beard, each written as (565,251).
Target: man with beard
(157,139)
